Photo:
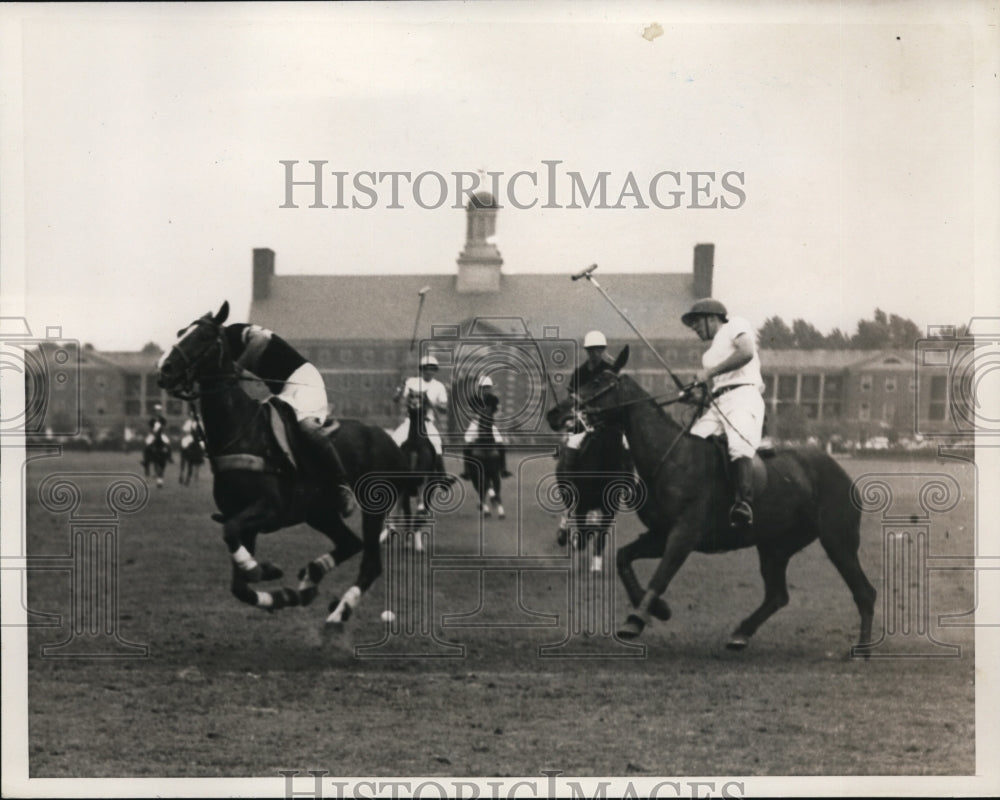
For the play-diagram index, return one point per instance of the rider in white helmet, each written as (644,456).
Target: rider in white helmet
(594,343)
(731,367)
(482,429)
(434,396)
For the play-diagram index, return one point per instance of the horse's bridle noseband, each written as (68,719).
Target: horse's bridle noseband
(189,378)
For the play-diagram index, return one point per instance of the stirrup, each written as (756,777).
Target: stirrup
(741,515)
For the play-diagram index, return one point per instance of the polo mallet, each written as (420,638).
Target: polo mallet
(416,323)
(588,274)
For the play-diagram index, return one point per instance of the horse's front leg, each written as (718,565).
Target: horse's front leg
(680,541)
(239,533)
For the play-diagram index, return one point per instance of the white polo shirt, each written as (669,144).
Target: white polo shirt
(723,346)
(436,393)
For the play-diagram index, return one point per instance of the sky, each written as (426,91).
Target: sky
(143,149)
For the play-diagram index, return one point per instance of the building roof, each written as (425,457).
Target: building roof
(828,360)
(384,307)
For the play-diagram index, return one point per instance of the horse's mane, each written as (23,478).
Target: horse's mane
(643,395)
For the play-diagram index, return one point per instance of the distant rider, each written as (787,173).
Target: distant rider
(290,376)
(732,366)
(157,433)
(432,395)
(482,429)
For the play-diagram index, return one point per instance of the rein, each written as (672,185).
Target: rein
(656,402)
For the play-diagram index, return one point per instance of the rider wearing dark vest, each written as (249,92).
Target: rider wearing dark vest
(290,376)
(484,404)
(594,343)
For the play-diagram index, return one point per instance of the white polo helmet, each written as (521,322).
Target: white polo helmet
(485,381)
(429,361)
(594,339)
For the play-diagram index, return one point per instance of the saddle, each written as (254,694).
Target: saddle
(759,469)
(287,453)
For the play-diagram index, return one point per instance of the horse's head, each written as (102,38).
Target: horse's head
(601,398)
(199,351)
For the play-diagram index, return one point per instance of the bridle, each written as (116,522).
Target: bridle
(192,365)
(615,384)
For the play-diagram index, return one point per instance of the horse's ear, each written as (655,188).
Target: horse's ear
(223,313)
(621,361)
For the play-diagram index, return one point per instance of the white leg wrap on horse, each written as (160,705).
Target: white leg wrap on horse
(243,559)
(264,599)
(349,600)
(326,562)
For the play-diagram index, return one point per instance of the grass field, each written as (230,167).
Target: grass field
(230,690)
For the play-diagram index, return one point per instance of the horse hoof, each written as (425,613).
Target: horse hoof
(334,602)
(659,609)
(269,571)
(633,626)
(333,629)
(307,595)
(501,514)
(737,642)
(253,575)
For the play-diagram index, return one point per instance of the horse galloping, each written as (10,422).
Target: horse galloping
(806,496)
(258,490)
(593,481)
(157,455)
(192,457)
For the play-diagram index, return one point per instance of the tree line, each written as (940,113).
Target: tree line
(882,332)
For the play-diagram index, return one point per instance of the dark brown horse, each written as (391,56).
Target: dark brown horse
(256,487)
(806,497)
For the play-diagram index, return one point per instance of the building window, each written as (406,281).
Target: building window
(133,408)
(890,383)
(768,386)
(865,412)
(866,383)
(831,410)
(174,408)
(368,355)
(889,412)
(937,410)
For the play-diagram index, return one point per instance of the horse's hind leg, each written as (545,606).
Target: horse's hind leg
(843,552)
(646,546)
(773,566)
(346,544)
(371,568)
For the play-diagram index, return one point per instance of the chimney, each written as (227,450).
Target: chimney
(263,271)
(479,263)
(704,261)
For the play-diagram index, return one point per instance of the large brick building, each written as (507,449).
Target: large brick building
(522,329)
(357,329)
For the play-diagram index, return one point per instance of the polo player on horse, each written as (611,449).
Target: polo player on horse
(594,343)
(426,389)
(482,429)
(291,377)
(732,366)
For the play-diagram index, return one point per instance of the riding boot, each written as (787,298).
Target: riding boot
(571,457)
(741,514)
(439,467)
(330,463)
(504,472)
(467,464)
